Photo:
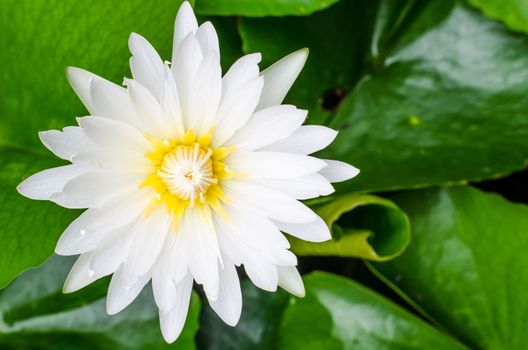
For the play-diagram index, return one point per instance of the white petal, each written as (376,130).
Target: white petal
(262,273)
(208,39)
(185,23)
(316,231)
(235,109)
(231,247)
(291,281)
(164,289)
(273,165)
(279,78)
(67,143)
(43,185)
(114,135)
(259,233)
(149,236)
(237,247)
(117,160)
(80,274)
(206,93)
(94,188)
(245,69)
(170,106)
(92,226)
(303,187)
(203,249)
(120,295)
(305,140)
(337,171)
(147,108)
(170,269)
(111,101)
(267,126)
(80,81)
(229,303)
(172,321)
(146,64)
(112,251)
(184,67)
(256,230)
(269,203)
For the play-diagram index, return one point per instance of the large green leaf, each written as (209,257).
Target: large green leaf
(28,229)
(443,95)
(261,8)
(512,12)
(338,313)
(466,267)
(363,226)
(34,314)
(257,329)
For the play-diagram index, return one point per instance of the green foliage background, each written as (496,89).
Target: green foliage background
(430,98)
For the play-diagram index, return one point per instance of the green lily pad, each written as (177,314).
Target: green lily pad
(338,313)
(466,267)
(261,8)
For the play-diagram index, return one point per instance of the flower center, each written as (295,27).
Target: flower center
(187,171)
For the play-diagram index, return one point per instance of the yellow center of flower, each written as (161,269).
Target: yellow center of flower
(187,172)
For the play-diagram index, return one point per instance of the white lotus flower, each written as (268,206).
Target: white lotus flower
(187,174)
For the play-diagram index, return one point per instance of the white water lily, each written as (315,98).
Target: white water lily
(187,174)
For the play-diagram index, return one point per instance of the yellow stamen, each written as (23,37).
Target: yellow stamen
(187,172)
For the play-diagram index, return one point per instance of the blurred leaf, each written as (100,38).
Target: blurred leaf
(35,314)
(336,37)
(29,230)
(512,12)
(338,313)
(466,266)
(363,226)
(261,8)
(258,326)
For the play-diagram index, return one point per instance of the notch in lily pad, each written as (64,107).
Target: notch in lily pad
(363,226)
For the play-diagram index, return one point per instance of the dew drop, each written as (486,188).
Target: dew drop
(82,232)
(91,273)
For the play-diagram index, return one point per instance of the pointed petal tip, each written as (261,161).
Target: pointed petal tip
(232,321)
(299,293)
(301,54)
(186,13)
(71,71)
(338,171)
(111,310)
(66,289)
(21,188)
(169,335)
